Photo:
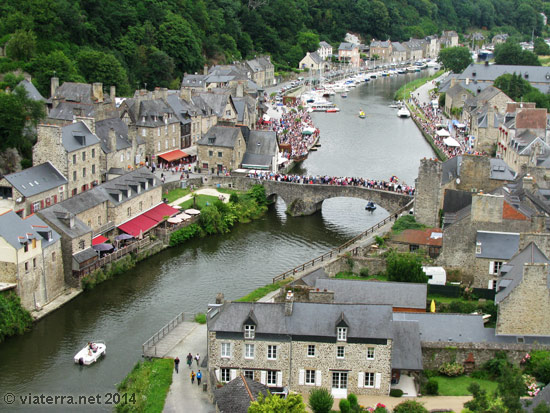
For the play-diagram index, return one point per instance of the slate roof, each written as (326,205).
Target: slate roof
(261,148)
(240,105)
(307,319)
(77,92)
(398,47)
(450,169)
(14,229)
(85,255)
(501,171)
(315,57)
(216,101)
(193,81)
(346,46)
(497,245)
(543,397)
(233,397)
(538,76)
(67,110)
(120,128)
(512,272)
(55,215)
(182,109)
(404,295)
(312,277)
(32,91)
(324,44)
(151,113)
(225,136)
(36,179)
(379,43)
(431,236)
(406,346)
(77,136)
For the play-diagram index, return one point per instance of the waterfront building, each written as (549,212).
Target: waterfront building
(262,150)
(313,63)
(348,53)
(30,257)
(33,189)
(399,52)
(324,50)
(449,39)
(415,49)
(432,47)
(380,49)
(262,71)
(74,150)
(221,149)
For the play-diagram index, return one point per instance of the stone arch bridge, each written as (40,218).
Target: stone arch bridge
(306,199)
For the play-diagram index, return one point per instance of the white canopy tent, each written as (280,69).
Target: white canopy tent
(443,132)
(451,142)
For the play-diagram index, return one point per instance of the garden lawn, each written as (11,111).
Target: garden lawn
(146,387)
(458,386)
(444,299)
(176,194)
(201,201)
(262,291)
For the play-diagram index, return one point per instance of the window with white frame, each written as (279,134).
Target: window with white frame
(249,330)
(226,350)
(271,378)
(342,333)
(144,132)
(158,132)
(310,377)
(369,379)
(339,380)
(225,375)
(271,352)
(166,144)
(494,267)
(370,353)
(340,352)
(158,145)
(249,351)
(311,350)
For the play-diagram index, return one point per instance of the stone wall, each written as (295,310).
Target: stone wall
(434,354)
(525,310)
(427,198)
(53,271)
(376,265)
(49,147)
(84,165)
(95,217)
(209,157)
(143,201)
(30,282)
(8,272)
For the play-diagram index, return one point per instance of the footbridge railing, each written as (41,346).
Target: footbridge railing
(149,347)
(345,246)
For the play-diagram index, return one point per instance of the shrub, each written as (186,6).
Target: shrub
(396,392)
(200,318)
(410,406)
(480,374)
(379,241)
(344,406)
(234,198)
(432,387)
(538,365)
(496,365)
(451,369)
(364,272)
(380,408)
(352,399)
(14,318)
(406,222)
(320,401)
(405,267)
(183,234)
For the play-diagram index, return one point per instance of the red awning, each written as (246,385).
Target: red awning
(100,239)
(138,225)
(173,155)
(160,211)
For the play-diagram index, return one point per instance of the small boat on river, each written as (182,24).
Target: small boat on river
(403,112)
(371,206)
(332,110)
(362,114)
(90,353)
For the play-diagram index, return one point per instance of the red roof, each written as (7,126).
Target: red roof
(100,239)
(421,237)
(138,225)
(173,155)
(160,211)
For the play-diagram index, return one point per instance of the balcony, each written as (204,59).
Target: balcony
(103,229)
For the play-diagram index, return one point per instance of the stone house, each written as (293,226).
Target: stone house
(218,102)
(30,256)
(399,53)
(499,39)
(523,295)
(324,50)
(455,97)
(348,53)
(33,189)
(153,120)
(522,137)
(493,249)
(122,151)
(302,346)
(74,150)
(190,116)
(99,211)
(72,100)
(382,49)
(194,82)
(432,46)
(262,71)
(313,62)
(221,149)
(411,240)
(449,39)
(262,150)
(415,49)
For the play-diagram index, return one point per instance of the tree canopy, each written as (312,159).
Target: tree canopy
(275,404)
(455,58)
(405,267)
(511,53)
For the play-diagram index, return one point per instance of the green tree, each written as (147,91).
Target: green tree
(275,404)
(405,267)
(510,388)
(21,46)
(541,48)
(102,67)
(44,67)
(511,53)
(320,400)
(308,41)
(542,408)
(410,406)
(513,85)
(14,319)
(455,58)
(482,402)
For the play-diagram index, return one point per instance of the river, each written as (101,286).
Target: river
(126,311)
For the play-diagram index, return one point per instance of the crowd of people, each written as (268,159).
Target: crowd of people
(392,184)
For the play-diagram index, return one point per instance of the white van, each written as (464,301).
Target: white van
(436,275)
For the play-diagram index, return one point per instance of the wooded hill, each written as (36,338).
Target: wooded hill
(132,42)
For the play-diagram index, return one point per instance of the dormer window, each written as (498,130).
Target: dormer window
(249,331)
(342,333)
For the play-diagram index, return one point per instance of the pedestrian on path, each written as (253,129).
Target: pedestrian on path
(192,377)
(197,358)
(199,377)
(189,359)
(176,364)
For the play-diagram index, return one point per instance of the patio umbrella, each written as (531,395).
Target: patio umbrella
(183,216)
(103,247)
(432,307)
(174,220)
(122,237)
(192,211)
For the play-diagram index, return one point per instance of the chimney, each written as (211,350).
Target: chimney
(112,94)
(288,303)
(163,93)
(185,94)
(528,183)
(90,122)
(205,70)
(112,139)
(97,92)
(467,81)
(240,89)
(219,298)
(54,84)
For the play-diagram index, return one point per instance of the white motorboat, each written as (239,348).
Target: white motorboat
(90,353)
(403,112)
